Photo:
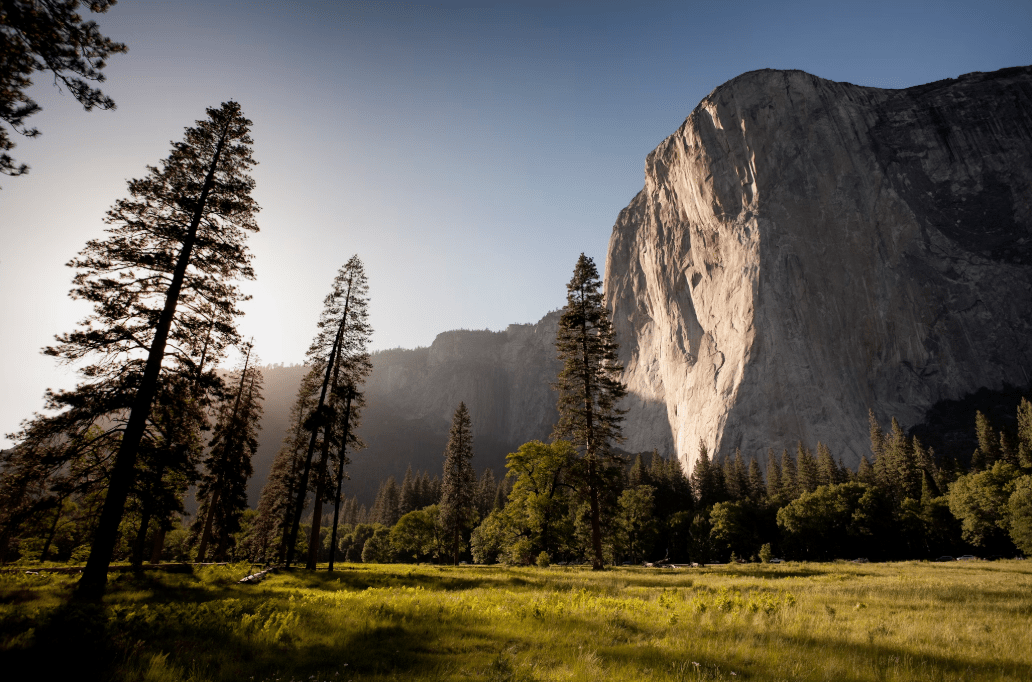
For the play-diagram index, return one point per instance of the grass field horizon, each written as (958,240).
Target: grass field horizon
(794,621)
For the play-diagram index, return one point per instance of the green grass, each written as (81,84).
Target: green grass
(840,621)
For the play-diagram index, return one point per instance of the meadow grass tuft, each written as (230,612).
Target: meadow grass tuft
(794,621)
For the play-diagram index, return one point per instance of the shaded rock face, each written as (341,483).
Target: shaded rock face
(804,250)
(411,395)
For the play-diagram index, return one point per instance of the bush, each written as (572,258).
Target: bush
(543,560)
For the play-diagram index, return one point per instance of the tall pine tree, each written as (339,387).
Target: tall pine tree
(589,390)
(164,272)
(458,483)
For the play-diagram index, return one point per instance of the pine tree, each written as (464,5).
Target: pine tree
(338,350)
(487,488)
(702,478)
(48,35)
(458,486)
(789,476)
(223,487)
(774,485)
(757,486)
(156,283)
(589,389)
(408,492)
(808,475)
(988,444)
(827,470)
(1025,434)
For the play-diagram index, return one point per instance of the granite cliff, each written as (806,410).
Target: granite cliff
(804,250)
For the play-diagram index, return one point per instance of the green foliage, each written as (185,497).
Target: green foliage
(420,535)
(981,501)
(458,482)
(589,389)
(1020,512)
(637,522)
(49,36)
(822,523)
(378,548)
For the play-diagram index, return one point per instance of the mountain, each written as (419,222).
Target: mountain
(805,250)
(503,377)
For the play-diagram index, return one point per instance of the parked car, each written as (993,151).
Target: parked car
(945,558)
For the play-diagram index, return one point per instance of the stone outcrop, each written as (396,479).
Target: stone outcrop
(804,250)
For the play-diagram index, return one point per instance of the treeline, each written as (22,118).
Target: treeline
(903,502)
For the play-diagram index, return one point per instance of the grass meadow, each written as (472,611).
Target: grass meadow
(794,621)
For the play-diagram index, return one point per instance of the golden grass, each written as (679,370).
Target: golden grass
(795,621)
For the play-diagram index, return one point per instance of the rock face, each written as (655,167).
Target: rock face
(804,250)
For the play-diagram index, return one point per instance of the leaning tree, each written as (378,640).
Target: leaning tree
(162,286)
(339,351)
(589,389)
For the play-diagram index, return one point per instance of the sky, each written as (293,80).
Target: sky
(467,152)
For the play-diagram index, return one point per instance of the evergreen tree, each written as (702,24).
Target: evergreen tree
(409,501)
(827,470)
(487,488)
(757,486)
(387,506)
(702,479)
(589,389)
(458,488)
(223,487)
(789,476)
(988,451)
(156,283)
(338,350)
(808,474)
(48,35)
(865,473)
(283,485)
(774,485)
(1025,434)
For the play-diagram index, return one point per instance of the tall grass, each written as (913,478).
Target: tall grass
(905,621)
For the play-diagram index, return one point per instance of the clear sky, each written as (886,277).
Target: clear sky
(467,152)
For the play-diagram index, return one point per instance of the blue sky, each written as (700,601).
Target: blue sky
(468,152)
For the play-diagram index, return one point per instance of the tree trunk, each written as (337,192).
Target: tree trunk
(302,493)
(94,576)
(314,544)
(50,536)
(202,546)
(141,539)
(159,544)
(340,476)
(327,428)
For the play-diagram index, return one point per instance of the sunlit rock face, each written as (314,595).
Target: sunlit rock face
(804,250)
